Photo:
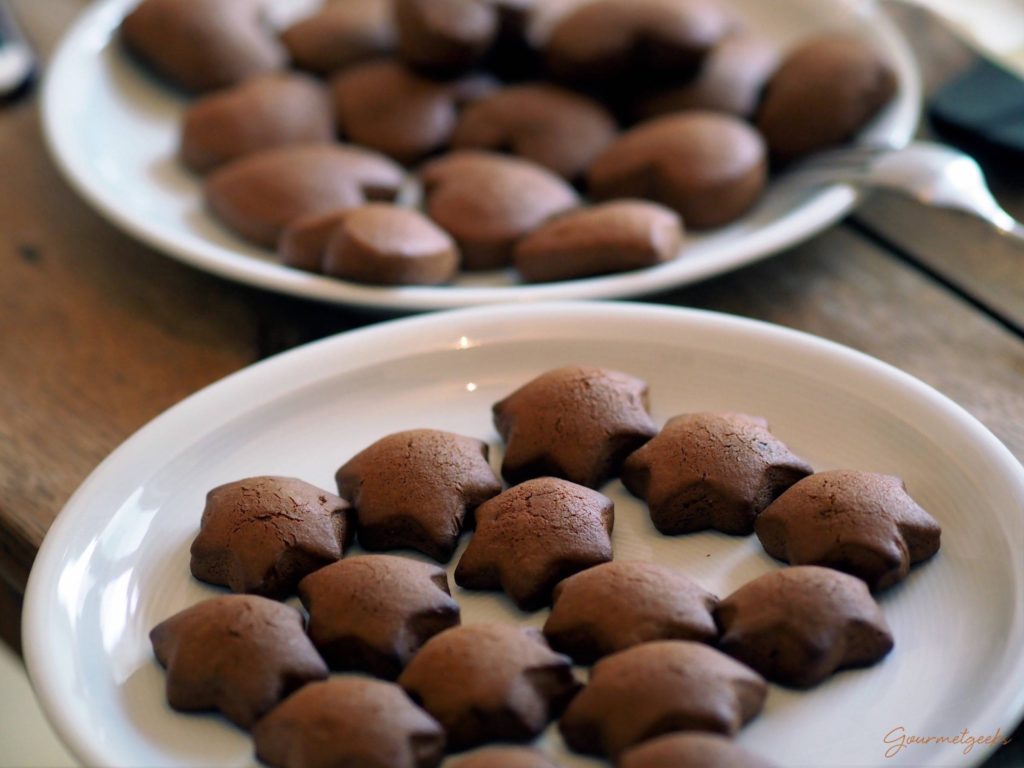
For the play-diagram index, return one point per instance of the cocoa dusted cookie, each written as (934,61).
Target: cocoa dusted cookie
(823,93)
(341,34)
(552,126)
(386,106)
(797,626)
(730,80)
(383,244)
(303,242)
(862,523)
(692,750)
(349,721)
(575,422)
(445,36)
(414,489)
(488,202)
(372,613)
(633,41)
(257,196)
(265,111)
(658,688)
(617,605)
(263,534)
(202,45)
(506,757)
(490,682)
(240,654)
(711,470)
(534,535)
(708,166)
(610,237)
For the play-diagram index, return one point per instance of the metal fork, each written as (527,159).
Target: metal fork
(933,174)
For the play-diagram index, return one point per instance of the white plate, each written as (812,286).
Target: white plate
(115,562)
(113,131)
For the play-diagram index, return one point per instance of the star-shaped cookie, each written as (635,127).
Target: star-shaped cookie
(798,625)
(577,423)
(858,522)
(372,613)
(657,688)
(694,750)
(711,470)
(349,721)
(240,654)
(490,682)
(414,489)
(534,535)
(614,606)
(263,534)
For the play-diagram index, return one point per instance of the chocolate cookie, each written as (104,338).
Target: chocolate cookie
(303,242)
(202,45)
(579,423)
(488,202)
(372,613)
(693,750)
(383,244)
(266,111)
(263,534)
(611,237)
(413,489)
(658,688)
(239,654)
(349,721)
(858,522)
(617,605)
(710,167)
(257,196)
(386,106)
(341,34)
(797,626)
(534,535)
(631,41)
(445,36)
(823,93)
(711,470)
(554,127)
(490,682)
(506,757)
(730,80)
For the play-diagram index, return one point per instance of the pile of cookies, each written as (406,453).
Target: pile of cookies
(675,671)
(563,138)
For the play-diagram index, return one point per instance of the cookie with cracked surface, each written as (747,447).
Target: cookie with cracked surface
(711,470)
(414,488)
(708,166)
(202,45)
(240,654)
(349,721)
(862,523)
(262,535)
(373,612)
(552,126)
(267,111)
(490,682)
(534,535)
(506,757)
(619,236)
(614,606)
(798,625)
(823,93)
(341,34)
(576,422)
(259,195)
(693,750)
(658,688)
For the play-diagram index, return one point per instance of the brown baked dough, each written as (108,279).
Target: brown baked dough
(342,33)
(691,750)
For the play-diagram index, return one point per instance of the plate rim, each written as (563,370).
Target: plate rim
(815,214)
(445,331)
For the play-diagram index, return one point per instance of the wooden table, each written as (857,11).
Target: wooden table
(99,334)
